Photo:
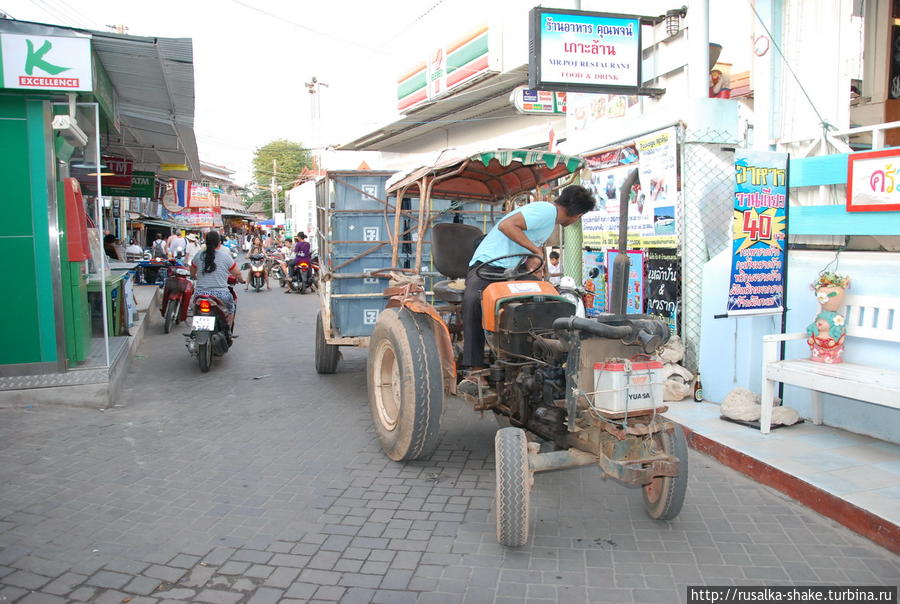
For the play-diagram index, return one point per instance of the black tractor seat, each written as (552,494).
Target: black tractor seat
(452,247)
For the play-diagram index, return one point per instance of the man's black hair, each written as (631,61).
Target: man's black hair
(576,200)
(554,255)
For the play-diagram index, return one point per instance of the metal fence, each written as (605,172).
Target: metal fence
(707,185)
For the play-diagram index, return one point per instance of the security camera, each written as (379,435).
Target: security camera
(69,130)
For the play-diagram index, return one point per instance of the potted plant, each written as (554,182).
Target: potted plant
(831,288)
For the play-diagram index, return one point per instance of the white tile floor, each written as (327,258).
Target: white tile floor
(862,470)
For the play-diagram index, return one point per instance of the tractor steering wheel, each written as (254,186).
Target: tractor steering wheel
(510,274)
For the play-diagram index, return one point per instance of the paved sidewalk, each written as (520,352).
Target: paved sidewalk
(223,488)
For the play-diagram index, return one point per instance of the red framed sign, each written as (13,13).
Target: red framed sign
(873,181)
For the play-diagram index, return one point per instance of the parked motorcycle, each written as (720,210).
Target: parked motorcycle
(210,335)
(304,276)
(257,271)
(176,296)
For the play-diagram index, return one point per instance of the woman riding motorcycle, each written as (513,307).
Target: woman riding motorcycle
(257,247)
(211,269)
(302,251)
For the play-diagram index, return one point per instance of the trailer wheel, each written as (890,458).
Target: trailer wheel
(664,496)
(513,486)
(327,355)
(406,390)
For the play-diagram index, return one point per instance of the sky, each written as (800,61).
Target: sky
(252,58)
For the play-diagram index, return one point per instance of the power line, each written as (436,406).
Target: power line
(822,121)
(304,27)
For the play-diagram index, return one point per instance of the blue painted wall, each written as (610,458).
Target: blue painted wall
(730,349)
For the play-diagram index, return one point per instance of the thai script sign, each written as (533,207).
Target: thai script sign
(202,197)
(873,181)
(651,215)
(759,233)
(34,62)
(446,68)
(587,51)
(664,285)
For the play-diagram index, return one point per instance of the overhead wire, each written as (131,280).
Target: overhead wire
(301,26)
(822,121)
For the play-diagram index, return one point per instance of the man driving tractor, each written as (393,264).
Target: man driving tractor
(523,232)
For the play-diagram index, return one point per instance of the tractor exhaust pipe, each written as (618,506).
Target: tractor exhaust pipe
(622,265)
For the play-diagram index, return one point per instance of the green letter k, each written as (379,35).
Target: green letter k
(36,59)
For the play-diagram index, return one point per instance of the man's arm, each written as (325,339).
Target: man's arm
(514,227)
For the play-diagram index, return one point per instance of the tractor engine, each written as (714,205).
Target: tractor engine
(527,358)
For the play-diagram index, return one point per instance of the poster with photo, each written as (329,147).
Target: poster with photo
(653,203)
(635,302)
(664,286)
(593,282)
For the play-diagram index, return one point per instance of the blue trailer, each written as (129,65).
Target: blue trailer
(353,242)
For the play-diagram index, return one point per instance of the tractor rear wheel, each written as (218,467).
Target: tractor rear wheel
(406,390)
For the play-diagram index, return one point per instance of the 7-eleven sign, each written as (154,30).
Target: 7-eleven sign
(46,62)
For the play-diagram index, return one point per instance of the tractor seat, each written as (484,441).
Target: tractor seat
(452,247)
(450,290)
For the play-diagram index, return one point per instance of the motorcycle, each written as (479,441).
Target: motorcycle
(274,260)
(210,335)
(257,271)
(305,275)
(176,297)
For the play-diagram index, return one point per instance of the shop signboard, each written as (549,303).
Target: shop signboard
(120,169)
(873,184)
(445,68)
(143,184)
(584,51)
(541,102)
(759,233)
(198,219)
(664,285)
(201,197)
(593,281)
(652,211)
(634,303)
(35,62)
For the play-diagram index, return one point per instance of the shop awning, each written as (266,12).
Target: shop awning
(235,214)
(155,222)
(154,81)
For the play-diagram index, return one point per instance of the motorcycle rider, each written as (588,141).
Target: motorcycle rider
(301,252)
(211,269)
(256,247)
(177,246)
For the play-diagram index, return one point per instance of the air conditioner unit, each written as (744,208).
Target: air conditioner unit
(69,130)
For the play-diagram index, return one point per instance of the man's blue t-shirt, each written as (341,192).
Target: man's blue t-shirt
(540,218)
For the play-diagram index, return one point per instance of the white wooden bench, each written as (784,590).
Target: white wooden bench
(866,317)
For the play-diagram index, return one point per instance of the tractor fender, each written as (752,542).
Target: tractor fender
(448,360)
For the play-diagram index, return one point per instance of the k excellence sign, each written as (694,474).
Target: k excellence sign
(33,62)
(586,51)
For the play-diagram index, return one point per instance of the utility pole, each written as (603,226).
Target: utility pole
(274,185)
(315,114)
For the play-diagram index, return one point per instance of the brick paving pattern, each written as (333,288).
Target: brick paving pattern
(223,488)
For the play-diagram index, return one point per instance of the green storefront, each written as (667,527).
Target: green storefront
(58,114)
